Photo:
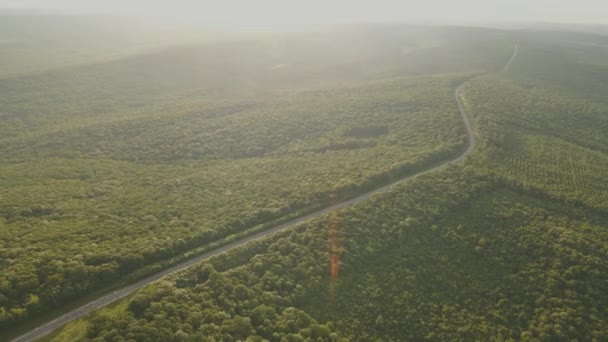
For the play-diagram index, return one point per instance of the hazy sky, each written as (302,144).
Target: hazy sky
(278,12)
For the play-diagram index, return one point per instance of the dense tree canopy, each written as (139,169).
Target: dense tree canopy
(510,244)
(115,169)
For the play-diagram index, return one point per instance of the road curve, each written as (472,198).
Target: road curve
(109,298)
(513,56)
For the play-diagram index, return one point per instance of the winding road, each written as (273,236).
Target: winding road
(109,298)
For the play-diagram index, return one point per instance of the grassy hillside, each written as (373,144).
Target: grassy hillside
(509,245)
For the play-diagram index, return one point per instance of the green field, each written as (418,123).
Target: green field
(112,166)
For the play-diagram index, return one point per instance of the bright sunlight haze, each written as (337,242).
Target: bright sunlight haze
(290,13)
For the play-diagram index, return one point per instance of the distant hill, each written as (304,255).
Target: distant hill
(36,40)
(584,28)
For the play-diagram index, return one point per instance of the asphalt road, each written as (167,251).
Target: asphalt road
(513,56)
(109,298)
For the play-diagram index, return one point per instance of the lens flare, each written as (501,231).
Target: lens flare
(335,248)
(335,266)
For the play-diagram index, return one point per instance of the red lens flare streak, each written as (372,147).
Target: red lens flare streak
(335,251)
(335,247)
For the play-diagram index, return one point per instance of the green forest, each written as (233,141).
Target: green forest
(411,269)
(115,167)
